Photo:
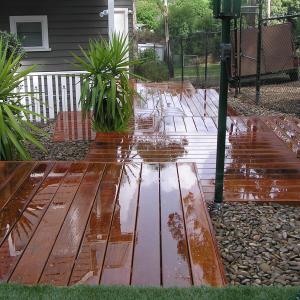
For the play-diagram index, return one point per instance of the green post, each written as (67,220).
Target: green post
(259,46)
(206,59)
(240,53)
(222,116)
(182,59)
(236,67)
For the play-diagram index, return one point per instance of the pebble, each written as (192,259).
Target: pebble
(276,100)
(256,252)
(63,151)
(265,267)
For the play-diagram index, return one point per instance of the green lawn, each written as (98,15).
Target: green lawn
(8,291)
(213,71)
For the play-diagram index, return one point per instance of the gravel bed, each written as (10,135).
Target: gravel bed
(276,100)
(65,151)
(259,244)
(248,108)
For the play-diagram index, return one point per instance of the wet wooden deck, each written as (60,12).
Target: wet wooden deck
(69,223)
(180,125)
(134,212)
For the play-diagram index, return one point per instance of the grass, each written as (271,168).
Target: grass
(213,71)
(10,291)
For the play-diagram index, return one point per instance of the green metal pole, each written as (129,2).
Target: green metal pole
(222,117)
(259,46)
(182,60)
(236,72)
(240,52)
(206,59)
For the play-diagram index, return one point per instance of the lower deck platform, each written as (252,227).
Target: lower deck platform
(66,223)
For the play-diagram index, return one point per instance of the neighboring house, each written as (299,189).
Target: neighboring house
(52,29)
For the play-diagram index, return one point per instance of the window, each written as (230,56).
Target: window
(32,31)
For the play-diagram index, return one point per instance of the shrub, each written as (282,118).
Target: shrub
(106,89)
(155,71)
(15,126)
(14,45)
(148,54)
(151,68)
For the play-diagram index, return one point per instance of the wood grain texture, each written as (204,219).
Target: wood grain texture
(95,223)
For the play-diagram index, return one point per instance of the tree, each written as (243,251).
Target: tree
(282,7)
(188,16)
(149,14)
(185,16)
(292,6)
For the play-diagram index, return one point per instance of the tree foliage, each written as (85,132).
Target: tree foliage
(149,14)
(185,16)
(285,6)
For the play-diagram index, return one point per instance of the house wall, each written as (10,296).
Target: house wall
(70,22)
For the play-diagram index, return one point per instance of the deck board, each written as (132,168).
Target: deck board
(175,256)
(146,264)
(118,259)
(201,247)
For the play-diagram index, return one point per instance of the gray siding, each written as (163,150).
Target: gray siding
(70,22)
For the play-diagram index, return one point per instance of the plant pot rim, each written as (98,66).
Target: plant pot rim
(108,136)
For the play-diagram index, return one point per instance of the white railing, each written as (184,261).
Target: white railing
(53,92)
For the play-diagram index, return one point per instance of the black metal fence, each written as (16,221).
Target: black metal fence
(196,58)
(265,64)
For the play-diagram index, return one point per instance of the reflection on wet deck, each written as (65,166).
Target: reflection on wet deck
(179,125)
(93,223)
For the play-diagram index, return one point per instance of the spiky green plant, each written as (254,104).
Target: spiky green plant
(14,44)
(106,90)
(15,125)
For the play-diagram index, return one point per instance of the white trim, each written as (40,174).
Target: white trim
(111,17)
(126,15)
(58,73)
(37,49)
(124,12)
(44,23)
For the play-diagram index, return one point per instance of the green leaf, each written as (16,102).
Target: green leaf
(14,116)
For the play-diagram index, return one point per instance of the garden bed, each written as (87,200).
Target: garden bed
(67,151)
(276,99)
(259,244)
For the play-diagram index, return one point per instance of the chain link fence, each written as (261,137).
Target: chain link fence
(196,58)
(265,64)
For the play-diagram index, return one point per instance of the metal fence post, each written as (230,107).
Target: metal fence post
(259,46)
(240,54)
(236,56)
(182,60)
(222,115)
(206,59)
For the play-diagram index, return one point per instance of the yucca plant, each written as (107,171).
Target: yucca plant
(106,90)
(15,125)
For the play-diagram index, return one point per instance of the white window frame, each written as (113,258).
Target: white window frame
(44,22)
